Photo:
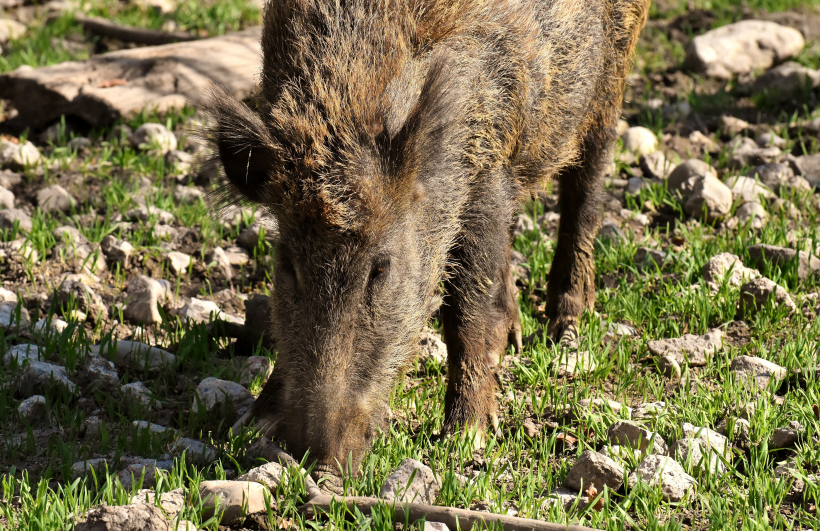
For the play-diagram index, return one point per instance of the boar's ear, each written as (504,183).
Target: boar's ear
(245,148)
(433,120)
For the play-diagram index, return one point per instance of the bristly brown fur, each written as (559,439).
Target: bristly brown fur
(393,142)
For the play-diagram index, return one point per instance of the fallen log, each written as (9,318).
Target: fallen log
(117,84)
(454,518)
(150,37)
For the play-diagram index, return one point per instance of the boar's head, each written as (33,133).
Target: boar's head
(354,169)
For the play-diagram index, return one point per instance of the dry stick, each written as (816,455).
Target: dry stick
(106,28)
(452,517)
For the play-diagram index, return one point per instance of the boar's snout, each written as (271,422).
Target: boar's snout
(334,427)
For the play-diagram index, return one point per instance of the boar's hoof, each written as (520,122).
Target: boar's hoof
(327,478)
(566,335)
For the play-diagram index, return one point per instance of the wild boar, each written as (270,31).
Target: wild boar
(393,141)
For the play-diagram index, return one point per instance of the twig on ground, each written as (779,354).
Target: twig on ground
(454,518)
(150,37)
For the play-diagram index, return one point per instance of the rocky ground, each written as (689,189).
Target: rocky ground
(131,315)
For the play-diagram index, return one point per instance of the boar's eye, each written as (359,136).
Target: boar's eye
(379,271)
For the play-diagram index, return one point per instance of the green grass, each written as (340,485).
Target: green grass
(514,471)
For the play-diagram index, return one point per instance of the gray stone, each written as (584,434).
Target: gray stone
(639,140)
(98,373)
(665,472)
(32,408)
(77,288)
(807,264)
(164,232)
(784,437)
(744,151)
(715,271)
(214,395)
(696,138)
(218,260)
(732,127)
(202,311)
(20,156)
(82,468)
(431,347)
(38,376)
(9,317)
(178,263)
(736,429)
(147,470)
(180,161)
(116,250)
(694,455)
(742,47)
(254,367)
(144,213)
(79,144)
(9,216)
(55,198)
(139,392)
(233,499)
(808,166)
(646,255)
(589,406)
(188,194)
(621,454)
(669,367)
(626,433)
(610,233)
(757,370)
(571,362)
(752,214)
(6,295)
(566,498)
(592,468)
(135,354)
(691,349)
(269,475)
(746,189)
(84,258)
(6,198)
(10,179)
(635,184)
(154,137)
(11,30)
(150,426)
(711,439)
(197,451)
(423,489)
(523,224)
(171,502)
(683,178)
(435,526)
(91,426)
(69,234)
(711,195)
(237,256)
(756,293)
(650,410)
(785,81)
(23,353)
(656,165)
(145,296)
(769,139)
(136,517)
(779,177)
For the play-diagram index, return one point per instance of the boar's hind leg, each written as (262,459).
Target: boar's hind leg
(571,286)
(479,314)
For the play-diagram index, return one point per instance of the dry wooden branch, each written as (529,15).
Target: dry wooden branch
(452,517)
(106,28)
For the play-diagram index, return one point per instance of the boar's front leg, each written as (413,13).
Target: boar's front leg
(479,314)
(571,286)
